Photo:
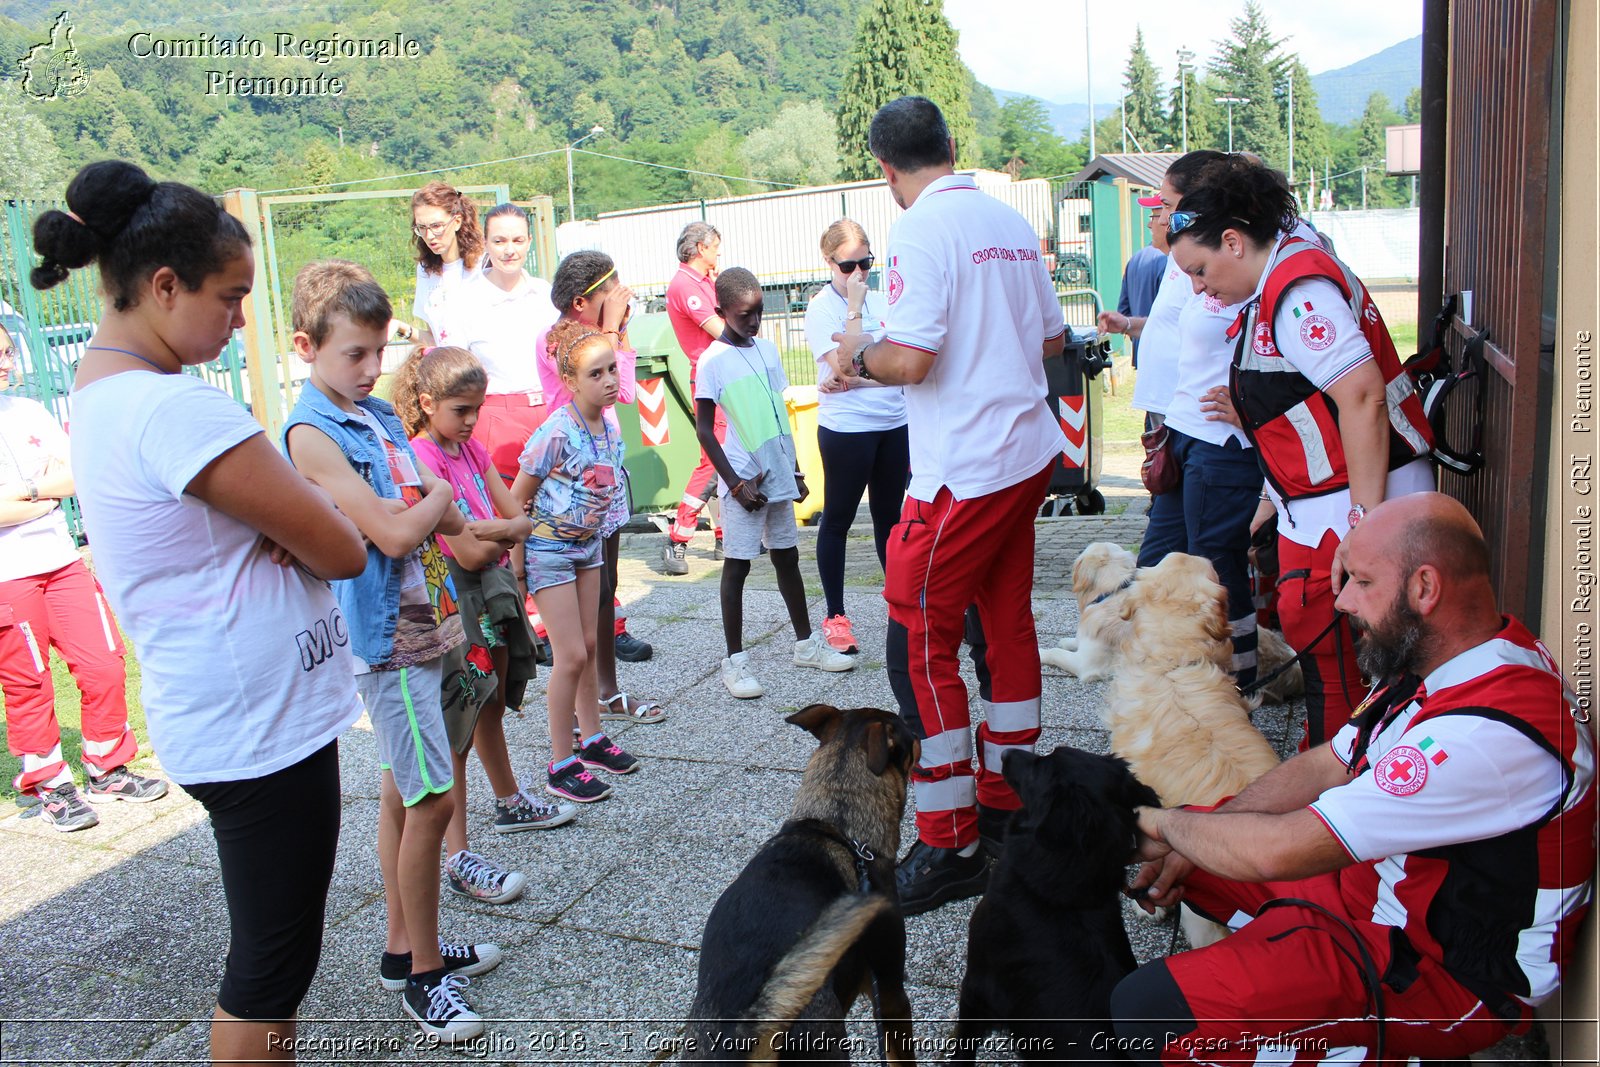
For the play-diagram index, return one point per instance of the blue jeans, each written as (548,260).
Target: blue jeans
(1208,515)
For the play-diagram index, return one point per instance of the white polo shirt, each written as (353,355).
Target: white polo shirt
(500,328)
(30,438)
(428,304)
(867,408)
(966,283)
(1160,342)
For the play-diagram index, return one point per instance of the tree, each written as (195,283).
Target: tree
(1030,146)
(1249,66)
(1371,148)
(800,146)
(1413,106)
(1311,144)
(31,167)
(1205,117)
(903,48)
(1141,87)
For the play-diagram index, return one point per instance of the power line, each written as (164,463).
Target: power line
(686,170)
(415,173)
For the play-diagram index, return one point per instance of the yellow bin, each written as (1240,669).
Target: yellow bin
(801,400)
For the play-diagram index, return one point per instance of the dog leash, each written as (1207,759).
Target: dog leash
(1262,683)
(1370,978)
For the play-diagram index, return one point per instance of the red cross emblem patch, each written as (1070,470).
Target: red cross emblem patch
(1316,332)
(1262,341)
(1402,771)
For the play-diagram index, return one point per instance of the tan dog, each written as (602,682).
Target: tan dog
(1173,710)
(1100,575)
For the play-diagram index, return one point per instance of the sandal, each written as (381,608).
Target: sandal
(645,712)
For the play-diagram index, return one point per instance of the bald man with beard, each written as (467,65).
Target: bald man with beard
(1429,866)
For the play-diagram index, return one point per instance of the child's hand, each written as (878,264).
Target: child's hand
(749,495)
(614,310)
(800,483)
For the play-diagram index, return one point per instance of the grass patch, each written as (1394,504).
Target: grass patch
(69,714)
(1122,422)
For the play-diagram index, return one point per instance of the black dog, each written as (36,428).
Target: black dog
(813,920)
(1046,944)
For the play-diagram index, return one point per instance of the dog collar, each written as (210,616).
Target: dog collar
(859,853)
(1114,592)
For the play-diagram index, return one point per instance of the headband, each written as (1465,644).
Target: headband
(597,283)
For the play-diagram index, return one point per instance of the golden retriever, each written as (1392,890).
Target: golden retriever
(1100,574)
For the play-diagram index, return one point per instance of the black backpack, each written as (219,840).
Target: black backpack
(1436,380)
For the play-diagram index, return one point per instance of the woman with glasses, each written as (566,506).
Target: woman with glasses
(498,316)
(1316,384)
(449,249)
(861,425)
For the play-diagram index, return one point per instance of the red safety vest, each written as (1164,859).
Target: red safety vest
(1292,423)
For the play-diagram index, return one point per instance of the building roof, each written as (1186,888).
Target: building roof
(1140,168)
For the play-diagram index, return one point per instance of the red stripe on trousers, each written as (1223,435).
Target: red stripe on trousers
(1305,607)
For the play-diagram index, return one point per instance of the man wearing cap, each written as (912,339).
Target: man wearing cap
(972,312)
(1418,882)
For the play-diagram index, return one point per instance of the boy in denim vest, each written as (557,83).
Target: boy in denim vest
(402,620)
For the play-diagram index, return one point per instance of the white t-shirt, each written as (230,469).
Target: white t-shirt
(967,284)
(246,663)
(1205,356)
(1324,343)
(865,408)
(500,328)
(748,384)
(432,290)
(29,438)
(1159,342)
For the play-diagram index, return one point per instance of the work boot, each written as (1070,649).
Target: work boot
(928,877)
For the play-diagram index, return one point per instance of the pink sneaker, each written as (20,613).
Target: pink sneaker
(837,632)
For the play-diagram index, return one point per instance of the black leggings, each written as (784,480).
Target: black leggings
(276,838)
(874,460)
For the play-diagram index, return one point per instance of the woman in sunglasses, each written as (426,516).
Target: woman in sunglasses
(1207,513)
(1316,384)
(449,248)
(861,425)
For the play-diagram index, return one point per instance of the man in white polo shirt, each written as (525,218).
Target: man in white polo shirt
(971,313)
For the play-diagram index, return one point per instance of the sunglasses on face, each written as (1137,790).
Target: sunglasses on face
(432,229)
(850,266)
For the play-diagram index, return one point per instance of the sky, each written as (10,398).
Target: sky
(1047,60)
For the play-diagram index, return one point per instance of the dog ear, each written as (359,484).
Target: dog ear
(878,744)
(1019,769)
(819,720)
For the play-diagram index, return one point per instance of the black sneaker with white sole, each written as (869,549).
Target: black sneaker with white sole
(574,782)
(439,1008)
(469,961)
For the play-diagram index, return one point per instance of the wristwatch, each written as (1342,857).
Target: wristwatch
(1357,513)
(858,363)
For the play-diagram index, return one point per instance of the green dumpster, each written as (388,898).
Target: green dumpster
(658,427)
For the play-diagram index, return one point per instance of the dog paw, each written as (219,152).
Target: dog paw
(1058,658)
(1068,643)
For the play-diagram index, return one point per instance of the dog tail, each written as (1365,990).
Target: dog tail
(798,976)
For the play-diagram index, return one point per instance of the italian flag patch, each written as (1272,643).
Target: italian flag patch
(1302,309)
(1435,753)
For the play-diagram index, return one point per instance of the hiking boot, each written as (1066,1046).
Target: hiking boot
(123,784)
(716,553)
(476,878)
(632,650)
(524,812)
(574,782)
(440,1009)
(66,810)
(928,877)
(394,969)
(675,557)
(737,676)
(837,633)
(814,652)
(607,755)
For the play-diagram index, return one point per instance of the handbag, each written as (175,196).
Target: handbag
(1159,471)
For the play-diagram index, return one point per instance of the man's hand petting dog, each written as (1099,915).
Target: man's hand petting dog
(1159,883)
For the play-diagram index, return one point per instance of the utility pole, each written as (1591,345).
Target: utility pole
(1124,123)
(1088,76)
(1291,128)
(572,207)
(1230,100)
(1185,64)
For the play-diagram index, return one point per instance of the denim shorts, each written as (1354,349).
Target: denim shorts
(551,563)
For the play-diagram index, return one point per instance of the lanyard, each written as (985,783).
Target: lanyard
(762,374)
(583,425)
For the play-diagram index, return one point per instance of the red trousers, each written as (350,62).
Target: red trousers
(702,484)
(65,610)
(1305,608)
(945,554)
(1291,977)
(505,422)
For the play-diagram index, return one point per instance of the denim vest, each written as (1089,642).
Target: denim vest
(370,602)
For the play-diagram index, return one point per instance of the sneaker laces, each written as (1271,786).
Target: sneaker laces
(540,807)
(445,1000)
(476,870)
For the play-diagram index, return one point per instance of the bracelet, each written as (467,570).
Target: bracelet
(520,576)
(33,489)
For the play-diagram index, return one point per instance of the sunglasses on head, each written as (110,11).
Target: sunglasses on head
(850,266)
(1178,221)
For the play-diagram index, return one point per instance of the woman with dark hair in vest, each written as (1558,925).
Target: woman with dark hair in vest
(1317,386)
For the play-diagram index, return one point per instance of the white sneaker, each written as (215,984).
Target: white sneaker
(736,675)
(814,652)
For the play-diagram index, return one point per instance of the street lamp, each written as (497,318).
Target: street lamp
(572,207)
(1185,64)
(1230,100)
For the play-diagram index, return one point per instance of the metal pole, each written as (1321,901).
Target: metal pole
(1431,190)
(1124,123)
(1363,188)
(1088,76)
(1291,128)
(572,207)
(1185,59)
(1230,100)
